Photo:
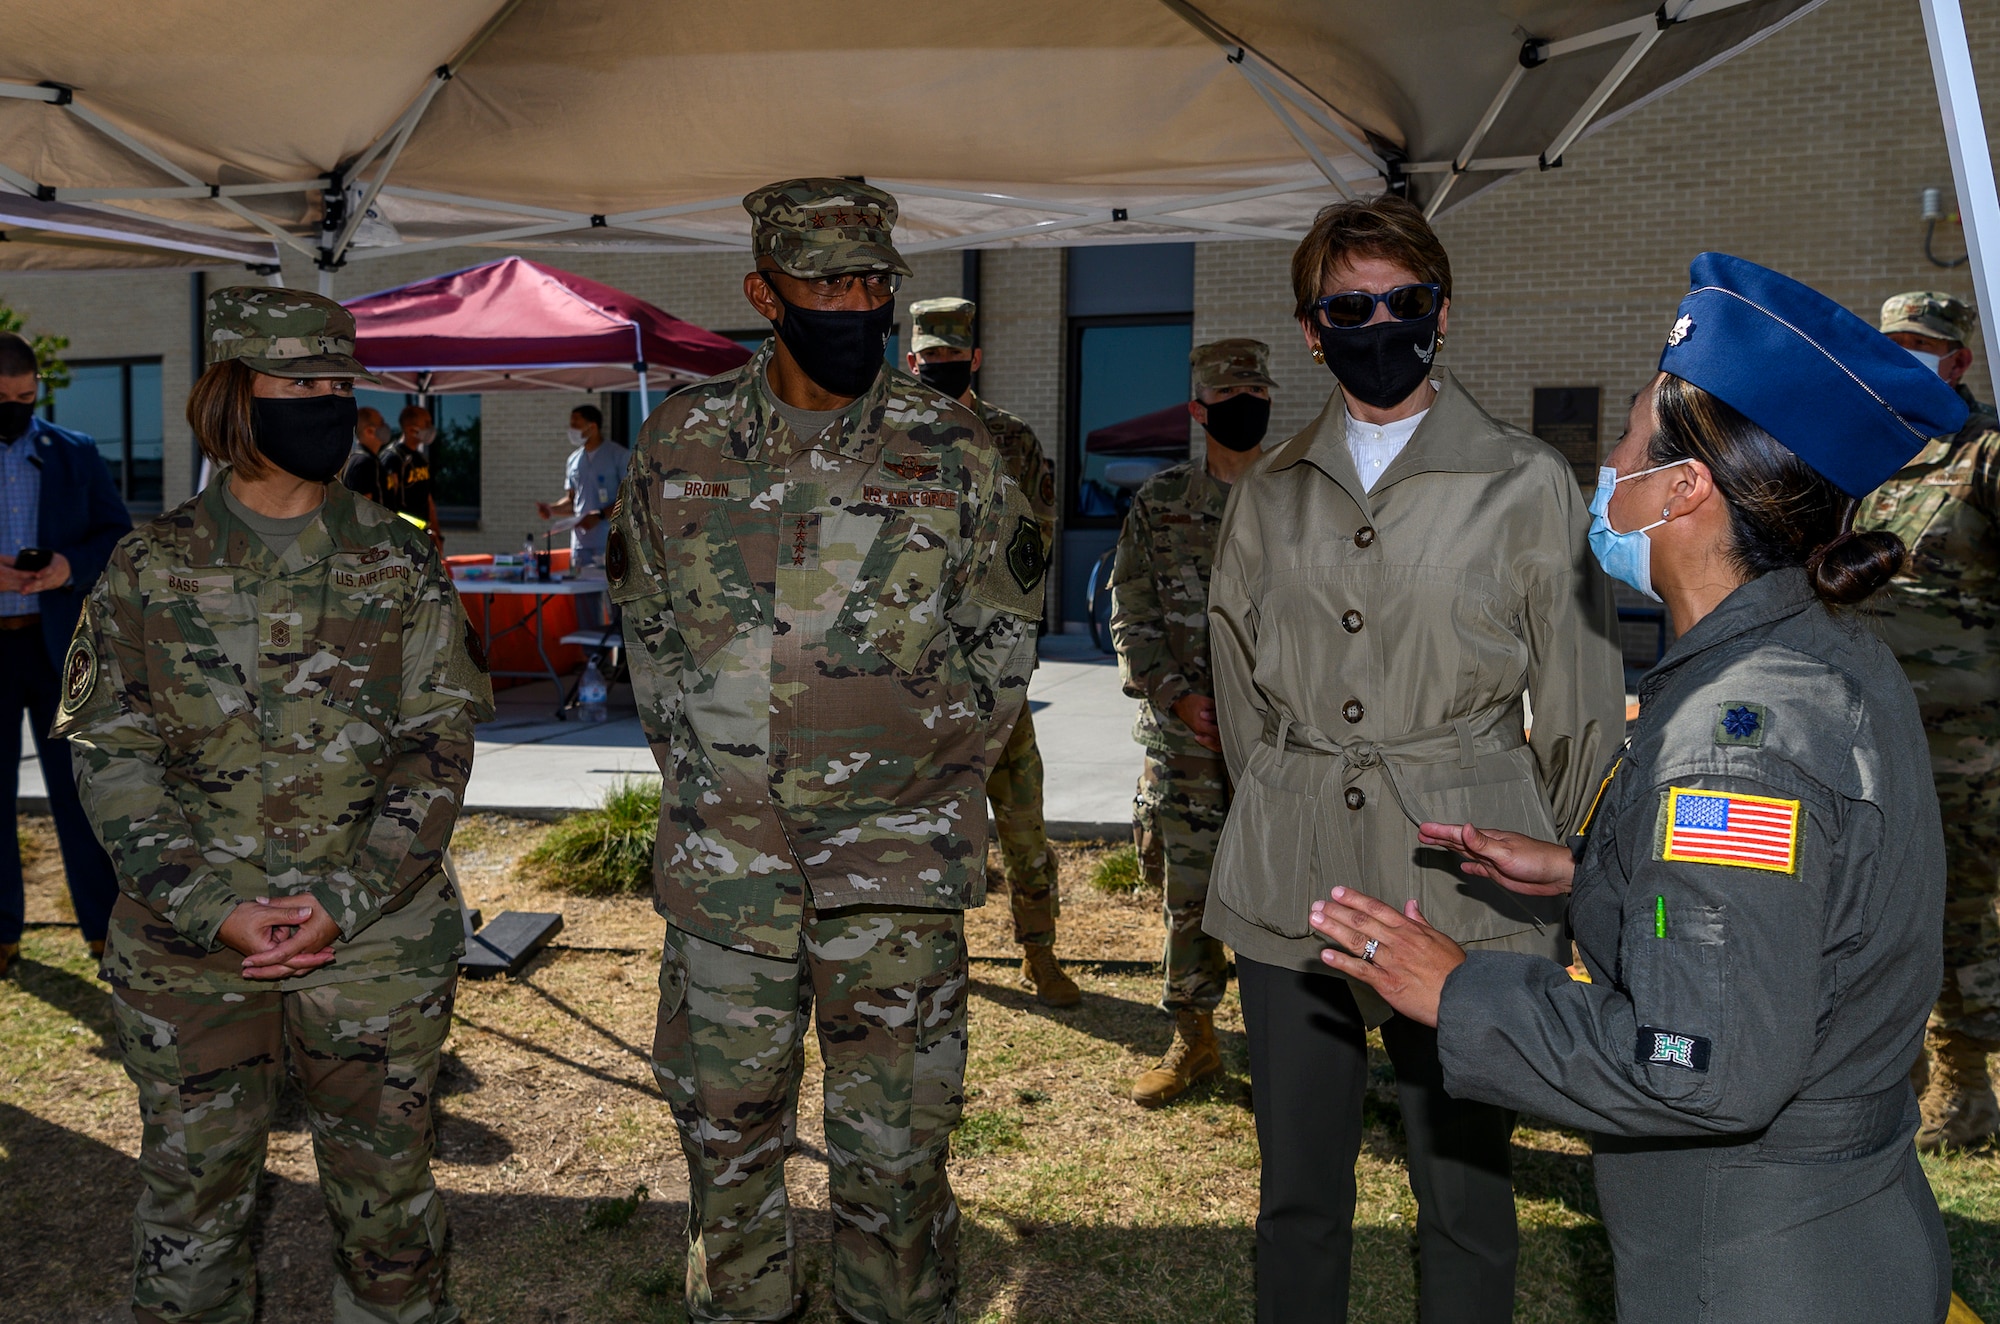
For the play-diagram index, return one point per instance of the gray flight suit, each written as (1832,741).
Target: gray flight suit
(1742,1055)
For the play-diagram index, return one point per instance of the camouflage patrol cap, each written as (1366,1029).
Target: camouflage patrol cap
(286,333)
(824,227)
(1221,364)
(941,324)
(1930,313)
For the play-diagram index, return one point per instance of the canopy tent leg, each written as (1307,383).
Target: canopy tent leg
(1971,161)
(645,395)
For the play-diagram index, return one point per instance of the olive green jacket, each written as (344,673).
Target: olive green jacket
(1370,652)
(248,725)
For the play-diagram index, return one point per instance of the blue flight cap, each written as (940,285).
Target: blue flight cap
(1840,395)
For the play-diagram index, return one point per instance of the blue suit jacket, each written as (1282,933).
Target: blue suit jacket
(81,516)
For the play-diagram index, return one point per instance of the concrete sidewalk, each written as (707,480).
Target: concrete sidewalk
(527,763)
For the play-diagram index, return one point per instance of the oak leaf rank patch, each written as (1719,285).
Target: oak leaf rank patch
(1740,723)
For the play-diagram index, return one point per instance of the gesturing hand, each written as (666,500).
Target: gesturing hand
(1409,960)
(1518,863)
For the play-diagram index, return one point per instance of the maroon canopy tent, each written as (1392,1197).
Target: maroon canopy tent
(1162,432)
(515,325)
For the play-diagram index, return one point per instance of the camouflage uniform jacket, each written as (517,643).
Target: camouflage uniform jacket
(247,726)
(826,636)
(1944,618)
(1022,456)
(1159,600)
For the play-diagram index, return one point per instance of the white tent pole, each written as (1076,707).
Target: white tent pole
(146,153)
(645,396)
(1595,101)
(1284,117)
(1971,161)
(1478,135)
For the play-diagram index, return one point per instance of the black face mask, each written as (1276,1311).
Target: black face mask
(14,419)
(1238,422)
(1381,365)
(308,438)
(952,378)
(841,351)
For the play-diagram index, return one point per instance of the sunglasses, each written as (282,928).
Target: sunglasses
(1407,303)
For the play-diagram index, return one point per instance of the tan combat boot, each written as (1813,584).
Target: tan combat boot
(1041,975)
(1193,1056)
(1958,1105)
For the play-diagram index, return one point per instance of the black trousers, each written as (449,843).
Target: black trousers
(1308,1070)
(28,683)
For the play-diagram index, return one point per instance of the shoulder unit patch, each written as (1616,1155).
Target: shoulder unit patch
(1025,560)
(79,673)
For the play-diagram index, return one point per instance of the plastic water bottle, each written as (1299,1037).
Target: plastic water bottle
(591,694)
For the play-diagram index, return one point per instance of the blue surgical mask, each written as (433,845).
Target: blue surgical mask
(1626,557)
(1930,361)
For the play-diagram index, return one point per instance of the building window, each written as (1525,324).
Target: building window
(117,403)
(1566,418)
(454,454)
(1128,409)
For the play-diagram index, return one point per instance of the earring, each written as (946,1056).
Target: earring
(1319,355)
(1666,512)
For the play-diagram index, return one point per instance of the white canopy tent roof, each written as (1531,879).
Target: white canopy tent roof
(372,129)
(203,132)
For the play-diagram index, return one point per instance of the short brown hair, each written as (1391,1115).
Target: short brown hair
(1384,226)
(220,412)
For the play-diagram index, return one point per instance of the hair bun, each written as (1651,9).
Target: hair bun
(1855,566)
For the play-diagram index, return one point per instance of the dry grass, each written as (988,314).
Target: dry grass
(1078,1205)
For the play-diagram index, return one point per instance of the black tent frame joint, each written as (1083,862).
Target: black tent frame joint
(1534,52)
(597,221)
(64,93)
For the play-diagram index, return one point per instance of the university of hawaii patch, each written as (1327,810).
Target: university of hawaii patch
(1665,1048)
(1721,827)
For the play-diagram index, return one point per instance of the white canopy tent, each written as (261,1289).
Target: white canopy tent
(204,132)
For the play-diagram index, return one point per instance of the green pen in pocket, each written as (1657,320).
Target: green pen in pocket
(1659,917)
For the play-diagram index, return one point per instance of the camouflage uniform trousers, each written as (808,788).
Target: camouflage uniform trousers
(887,991)
(1176,821)
(1014,788)
(1968,787)
(209,1066)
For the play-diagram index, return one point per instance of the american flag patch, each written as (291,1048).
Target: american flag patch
(1716,827)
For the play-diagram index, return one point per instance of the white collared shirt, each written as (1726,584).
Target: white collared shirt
(1375,446)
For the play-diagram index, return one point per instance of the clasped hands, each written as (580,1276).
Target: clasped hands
(1396,952)
(280,938)
(53,575)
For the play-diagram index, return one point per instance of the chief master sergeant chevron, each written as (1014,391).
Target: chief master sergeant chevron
(830,591)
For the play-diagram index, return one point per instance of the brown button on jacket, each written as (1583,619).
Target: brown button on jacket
(1469,572)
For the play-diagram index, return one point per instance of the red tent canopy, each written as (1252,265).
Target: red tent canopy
(516,325)
(1162,432)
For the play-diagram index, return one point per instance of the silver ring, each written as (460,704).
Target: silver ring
(1368,949)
